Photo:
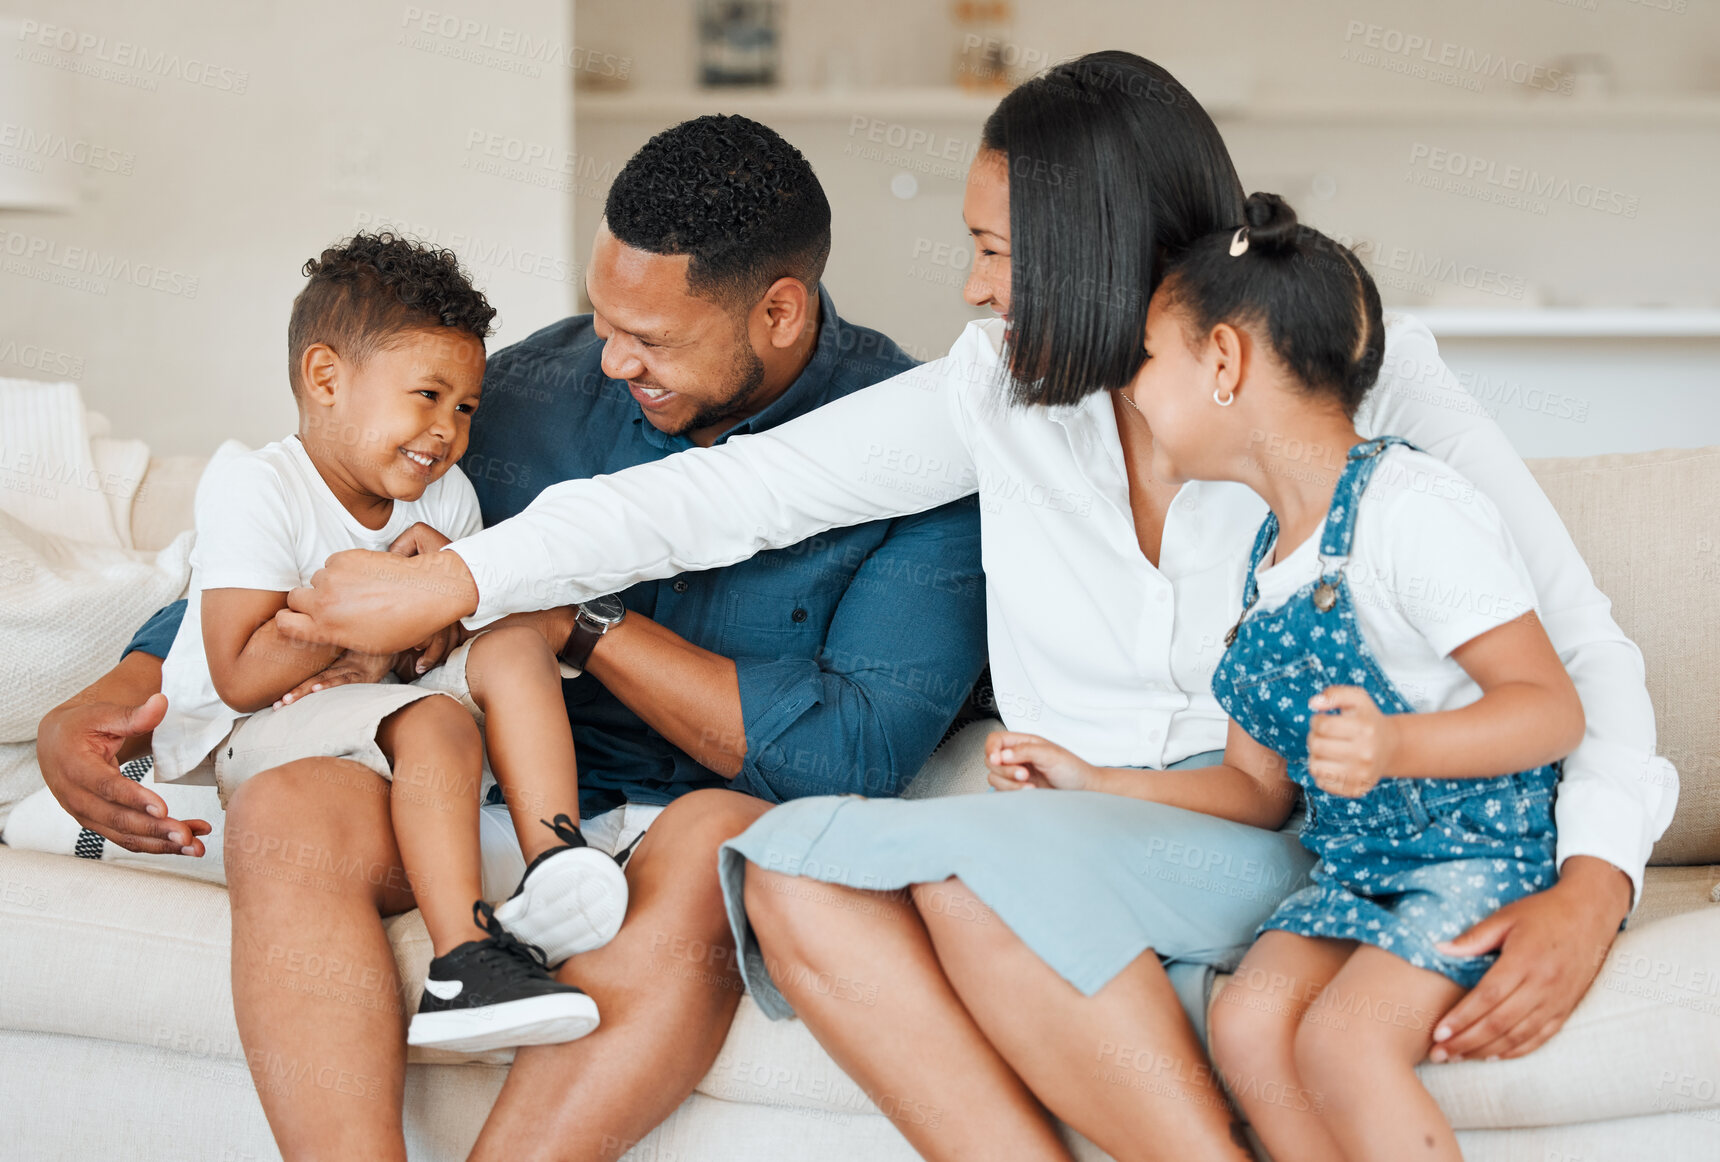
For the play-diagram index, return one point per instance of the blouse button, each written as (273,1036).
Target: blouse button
(799,615)
(680,586)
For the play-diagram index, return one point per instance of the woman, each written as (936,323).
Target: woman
(1109,595)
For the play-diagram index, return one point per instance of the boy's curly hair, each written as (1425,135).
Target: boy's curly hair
(368,290)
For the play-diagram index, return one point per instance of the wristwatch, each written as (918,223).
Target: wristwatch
(591,621)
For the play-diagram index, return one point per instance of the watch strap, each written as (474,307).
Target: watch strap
(581,642)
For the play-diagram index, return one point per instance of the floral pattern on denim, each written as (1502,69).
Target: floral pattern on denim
(1414,861)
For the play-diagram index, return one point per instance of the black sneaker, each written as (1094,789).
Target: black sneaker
(495,993)
(571,899)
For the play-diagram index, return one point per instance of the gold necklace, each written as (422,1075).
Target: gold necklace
(1136,406)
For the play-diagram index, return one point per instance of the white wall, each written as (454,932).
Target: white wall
(1347,141)
(316,118)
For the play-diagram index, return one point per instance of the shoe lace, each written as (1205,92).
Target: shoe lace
(506,942)
(566,829)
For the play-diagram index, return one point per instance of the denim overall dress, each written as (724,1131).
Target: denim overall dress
(1414,861)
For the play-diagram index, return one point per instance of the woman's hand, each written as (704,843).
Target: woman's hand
(1349,751)
(350,667)
(1026,760)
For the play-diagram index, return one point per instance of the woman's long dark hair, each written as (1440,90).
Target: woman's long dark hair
(1113,168)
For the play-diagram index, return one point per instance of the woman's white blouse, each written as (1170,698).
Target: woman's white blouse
(1090,644)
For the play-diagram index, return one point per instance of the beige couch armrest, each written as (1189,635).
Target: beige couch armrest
(163,508)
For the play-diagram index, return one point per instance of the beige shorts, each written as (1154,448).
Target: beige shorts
(338,723)
(450,678)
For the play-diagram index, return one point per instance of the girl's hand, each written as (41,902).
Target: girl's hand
(1026,760)
(1350,751)
(350,667)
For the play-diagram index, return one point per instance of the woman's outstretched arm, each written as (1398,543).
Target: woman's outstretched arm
(894,448)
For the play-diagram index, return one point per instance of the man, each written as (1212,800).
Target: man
(831,666)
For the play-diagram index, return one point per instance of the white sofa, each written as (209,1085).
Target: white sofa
(116,1025)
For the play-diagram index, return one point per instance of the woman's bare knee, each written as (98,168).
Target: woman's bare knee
(949,905)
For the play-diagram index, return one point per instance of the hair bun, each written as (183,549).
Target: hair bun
(1272,225)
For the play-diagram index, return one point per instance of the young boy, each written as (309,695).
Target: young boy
(386,348)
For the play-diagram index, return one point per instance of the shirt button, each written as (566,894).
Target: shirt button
(1153,735)
(680,586)
(799,615)
(1161,596)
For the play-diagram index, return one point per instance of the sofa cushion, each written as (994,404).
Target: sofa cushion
(138,957)
(1648,524)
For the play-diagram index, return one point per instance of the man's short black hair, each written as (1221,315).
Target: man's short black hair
(735,196)
(368,290)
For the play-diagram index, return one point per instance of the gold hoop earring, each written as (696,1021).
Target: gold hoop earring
(1223,401)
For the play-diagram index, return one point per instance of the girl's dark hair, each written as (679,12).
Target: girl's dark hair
(1113,166)
(1311,296)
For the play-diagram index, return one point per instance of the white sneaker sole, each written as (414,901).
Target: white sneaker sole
(570,904)
(543,1020)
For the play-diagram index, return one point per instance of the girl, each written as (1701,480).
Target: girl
(1387,662)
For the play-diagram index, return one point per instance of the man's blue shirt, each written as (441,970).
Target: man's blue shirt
(854,649)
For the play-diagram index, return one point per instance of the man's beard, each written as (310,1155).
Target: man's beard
(748,378)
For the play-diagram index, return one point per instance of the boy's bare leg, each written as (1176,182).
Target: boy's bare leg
(915,1049)
(436,753)
(1254,1029)
(1376,1107)
(667,987)
(311,869)
(514,679)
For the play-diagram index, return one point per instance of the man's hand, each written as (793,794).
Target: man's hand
(78,747)
(1349,751)
(1017,761)
(379,603)
(1550,945)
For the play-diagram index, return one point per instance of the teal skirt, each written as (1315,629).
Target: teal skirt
(1088,881)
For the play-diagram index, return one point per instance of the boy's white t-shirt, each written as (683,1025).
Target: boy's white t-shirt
(1431,567)
(267,520)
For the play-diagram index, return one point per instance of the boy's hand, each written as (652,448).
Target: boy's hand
(350,667)
(419,540)
(1348,751)
(430,653)
(1026,760)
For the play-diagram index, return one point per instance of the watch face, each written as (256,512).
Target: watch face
(606,610)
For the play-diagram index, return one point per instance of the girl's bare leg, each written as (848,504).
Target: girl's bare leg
(1123,1066)
(432,745)
(1364,1063)
(900,1031)
(513,677)
(1254,1027)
